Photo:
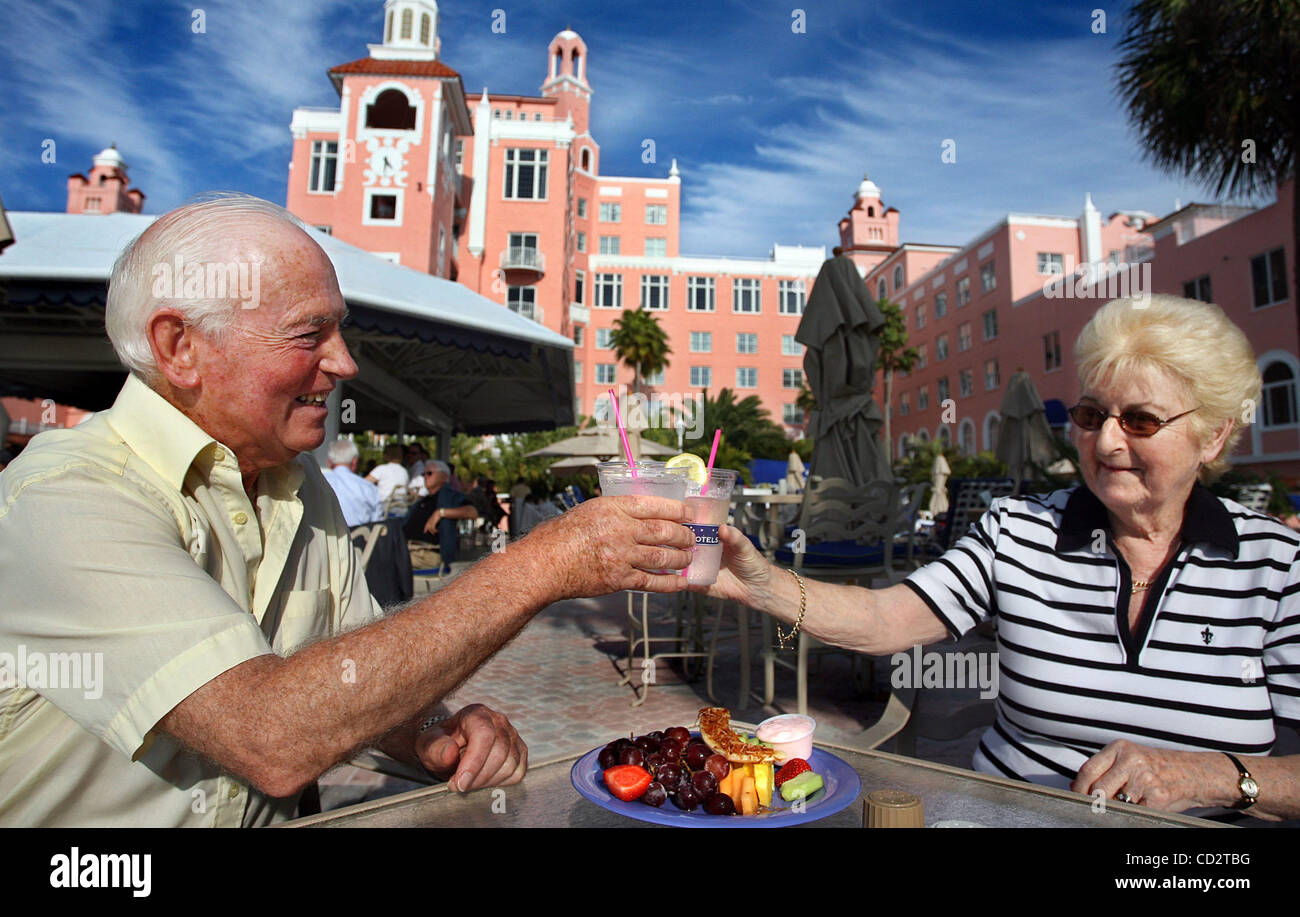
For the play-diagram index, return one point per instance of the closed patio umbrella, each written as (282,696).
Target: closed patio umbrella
(939,472)
(1025,441)
(840,328)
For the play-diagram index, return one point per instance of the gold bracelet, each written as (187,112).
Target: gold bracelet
(781,638)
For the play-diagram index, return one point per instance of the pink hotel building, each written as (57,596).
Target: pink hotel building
(504,194)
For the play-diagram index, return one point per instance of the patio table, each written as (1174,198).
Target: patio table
(547,799)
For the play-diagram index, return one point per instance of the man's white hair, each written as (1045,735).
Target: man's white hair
(437,465)
(195,233)
(342,452)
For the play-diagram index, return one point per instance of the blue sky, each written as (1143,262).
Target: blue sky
(772,128)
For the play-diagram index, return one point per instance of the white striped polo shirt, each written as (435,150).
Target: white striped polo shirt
(1215,668)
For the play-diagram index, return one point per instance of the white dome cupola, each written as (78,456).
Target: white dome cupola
(410,31)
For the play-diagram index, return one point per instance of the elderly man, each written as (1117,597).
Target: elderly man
(188,555)
(358,498)
(434,517)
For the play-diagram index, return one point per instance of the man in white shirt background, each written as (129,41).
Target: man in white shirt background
(390,475)
(358,498)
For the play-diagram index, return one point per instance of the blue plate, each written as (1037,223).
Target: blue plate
(842,787)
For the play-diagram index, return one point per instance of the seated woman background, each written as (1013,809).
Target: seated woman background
(1148,631)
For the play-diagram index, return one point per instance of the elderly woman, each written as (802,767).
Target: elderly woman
(1148,631)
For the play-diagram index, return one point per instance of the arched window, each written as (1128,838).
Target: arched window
(1279,396)
(556,63)
(871,211)
(392,111)
(586,159)
(944,436)
(424,29)
(407,19)
(388,29)
(966,435)
(992,427)
(577,63)
(898,277)
(880,289)
(923,435)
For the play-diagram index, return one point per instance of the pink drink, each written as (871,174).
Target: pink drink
(790,734)
(708,510)
(653,479)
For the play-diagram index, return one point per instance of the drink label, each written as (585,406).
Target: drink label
(704,534)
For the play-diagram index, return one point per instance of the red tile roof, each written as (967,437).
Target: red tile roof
(369,65)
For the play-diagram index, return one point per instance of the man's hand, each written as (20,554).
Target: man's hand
(477,746)
(613,543)
(431,525)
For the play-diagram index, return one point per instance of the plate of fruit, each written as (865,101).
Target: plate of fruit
(713,777)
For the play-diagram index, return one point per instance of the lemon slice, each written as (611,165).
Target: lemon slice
(696,470)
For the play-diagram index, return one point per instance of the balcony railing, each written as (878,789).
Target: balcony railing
(523,258)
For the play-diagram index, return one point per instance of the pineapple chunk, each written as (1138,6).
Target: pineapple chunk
(764,779)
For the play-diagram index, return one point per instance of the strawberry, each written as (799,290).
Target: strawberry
(627,781)
(793,768)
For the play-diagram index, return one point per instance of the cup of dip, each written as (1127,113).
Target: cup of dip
(790,734)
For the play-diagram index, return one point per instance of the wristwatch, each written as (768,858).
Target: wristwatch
(1246,783)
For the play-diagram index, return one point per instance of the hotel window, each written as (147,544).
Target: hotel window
(93,204)
(324,163)
(963,292)
(966,435)
(522,300)
(1051,263)
(791,378)
(747,377)
(923,398)
(424,29)
(605,373)
(525,175)
(654,292)
(790,347)
(701,342)
(610,245)
(992,379)
(510,115)
(792,295)
(537,116)
(791,414)
(609,291)
(941,347)
(898,278)
(579,287)
(460,155)
(921,358)
(1051,351)
(880,289)
(656,214)
(744,295)
(1268,274)
(920,316)
(496,113)
(654,378)
(577,371)
(746,342)
(582,208)
(988,277)
(604,338)
(940,304)
(699,294)
(1199,289)
(610,212)
(383,207)
(656,248)
(963,337)
(407,18)
(966,382)
(578,335)
(582,241)
(701,377)
(990,324)
(904,404)
(942,386)
(1278,396)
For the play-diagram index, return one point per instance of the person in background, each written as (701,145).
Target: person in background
(390,475)
(416,456)
(435,517)
(518,494)
(358,498)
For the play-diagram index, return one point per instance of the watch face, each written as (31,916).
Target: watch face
(1249,788)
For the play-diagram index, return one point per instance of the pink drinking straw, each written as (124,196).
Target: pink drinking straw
(713,453)
(622,432)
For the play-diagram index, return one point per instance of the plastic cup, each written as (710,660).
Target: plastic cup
(790,735)
(653,479)
(707,511)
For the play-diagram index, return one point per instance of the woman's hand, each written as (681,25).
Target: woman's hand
(745,574)
(1159,777)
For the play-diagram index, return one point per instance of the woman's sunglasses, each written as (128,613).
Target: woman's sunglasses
(1138,423)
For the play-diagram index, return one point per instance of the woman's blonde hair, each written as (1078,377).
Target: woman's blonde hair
(1192,342)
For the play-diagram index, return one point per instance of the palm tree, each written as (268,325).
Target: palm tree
(640,342)
(894,356)
(1214,90)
